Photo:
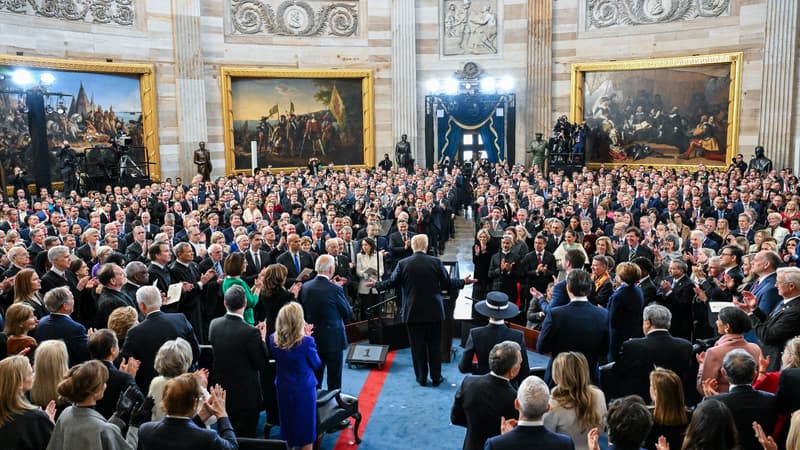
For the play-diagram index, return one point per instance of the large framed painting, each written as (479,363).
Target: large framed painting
(86,103)
(283,118)
(678,112)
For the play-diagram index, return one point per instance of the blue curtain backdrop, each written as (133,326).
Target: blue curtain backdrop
(471,113)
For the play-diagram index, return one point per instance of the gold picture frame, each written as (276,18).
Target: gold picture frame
(688,89)
(147,93)
(258,97)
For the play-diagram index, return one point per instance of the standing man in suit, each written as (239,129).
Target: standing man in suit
(103,346)
(578,326)
(677,294)
(765,265)
(634,248)
(421,279)
(638,357)
(160,256)
(539,265)
(295,260)
(533,400)
(239,355)
(573,260)
(482,340)
(185,271)
(112,277)
(59,325)
(326,308)
(483,401)
(59,274)
(256,258)
(783,323)
(144,340)
(137,249)
(649,289)
(400,242)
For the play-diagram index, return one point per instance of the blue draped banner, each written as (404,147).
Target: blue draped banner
(471,113)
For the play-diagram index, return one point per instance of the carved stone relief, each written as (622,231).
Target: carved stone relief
(470,27)
(119,12)
(616,13)
(307,18)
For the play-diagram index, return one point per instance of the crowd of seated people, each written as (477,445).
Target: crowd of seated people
(628,266)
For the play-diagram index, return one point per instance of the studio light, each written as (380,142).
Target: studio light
(488,84)
(506,84)
(22,77)
(451,86)
(433,86)
(47,79)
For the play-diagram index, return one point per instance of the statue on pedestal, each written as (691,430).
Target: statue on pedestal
(202,158)
(403,154)
(537,153)
(760,162)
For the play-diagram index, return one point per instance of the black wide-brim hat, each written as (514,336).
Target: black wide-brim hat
(497,306)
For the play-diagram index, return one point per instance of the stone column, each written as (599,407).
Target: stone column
(778,90)
(404,77)
(540,70)
(189,84)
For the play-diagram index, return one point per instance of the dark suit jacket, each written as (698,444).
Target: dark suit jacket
(767,294)
(623,253)
(84,252)
(421,278)
(480,343)
(306,262)
(239,355)
(108,301)
(602,295)
(134,252)
(535,279)
(398,247)
(59,326)
(481,401)
(649,291)
(186,434)
(747,406)
(624,317)
(530,437)
(159,276)
(118,382)
(774,330)
(788,395)
(638,357)
(144,340)
(190,300)
(51,280)
(326,306)
(679,302)
(578,326)
(251,272)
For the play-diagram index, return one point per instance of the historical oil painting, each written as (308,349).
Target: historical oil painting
(470,27)
(288,117)
(675,111)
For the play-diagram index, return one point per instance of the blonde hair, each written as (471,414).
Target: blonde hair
(16,315)
(289,326)
(670,408)
(121,320)
(50,366)
(573,391)
(793,440)
(23,286)
(12,376)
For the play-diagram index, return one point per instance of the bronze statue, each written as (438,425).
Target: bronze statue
(537,153)
(202,158)
(403,154)
(760,162)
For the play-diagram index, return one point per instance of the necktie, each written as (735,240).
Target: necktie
(257,260)
(297,262)
(218,269)
(674,282)
(755,286)
(539,255)
(720,214)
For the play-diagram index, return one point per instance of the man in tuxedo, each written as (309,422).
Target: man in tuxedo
(59,325)
(295,260)
(657,348)
(421,279)
(746,404)
(677,294)
(539,265)
(239,355)
(257,258)
(112,277)
(765,264)
(482,402)
(775,329)
(634,248)
(481,340)
(326,307)
(532,402)
(103,346)
(184,270)
(578,326)
(144,340)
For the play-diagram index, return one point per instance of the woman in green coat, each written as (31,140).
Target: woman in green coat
(234,267)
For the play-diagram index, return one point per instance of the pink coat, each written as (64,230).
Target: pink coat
(712,367)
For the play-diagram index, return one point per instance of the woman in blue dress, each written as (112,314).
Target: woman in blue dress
(296,358)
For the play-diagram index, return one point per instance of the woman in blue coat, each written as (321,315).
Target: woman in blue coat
(296,358)
(625,309)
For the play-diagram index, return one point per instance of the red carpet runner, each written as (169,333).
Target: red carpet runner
(366,402)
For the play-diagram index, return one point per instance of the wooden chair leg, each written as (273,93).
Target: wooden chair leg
(357,415)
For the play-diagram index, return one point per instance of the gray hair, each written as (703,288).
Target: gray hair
(681,265)
(773,258)
(533,397)
(698,233)
(15,251)
(503,357)
(173,358)
(133,268)
(791,275)
(55,299)
(149,296)
(325,264)
(235,298)
(739,366)
(181,246)
(658,316)
(57,252)
(419,243)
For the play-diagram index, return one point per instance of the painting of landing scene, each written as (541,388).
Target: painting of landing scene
(287,121)
(87,109)
(681,115)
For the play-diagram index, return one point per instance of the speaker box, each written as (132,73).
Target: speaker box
(389,332)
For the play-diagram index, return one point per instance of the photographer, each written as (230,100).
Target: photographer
(69,164)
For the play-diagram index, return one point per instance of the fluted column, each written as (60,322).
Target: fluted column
(778,90)
(404,75)
(540,66)
(190,86)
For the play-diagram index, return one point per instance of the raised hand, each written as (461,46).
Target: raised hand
(662,443)
(766,441)
(593,439)
(51,411)
(710,387)
(701,357)
(763,363)
(130,366)
(202,377)
(308,329)
(507,425)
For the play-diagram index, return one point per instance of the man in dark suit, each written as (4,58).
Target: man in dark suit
(213,302)
(184,270)
(160,256)
(578,326)
(421,279)
(295,260)
(746,404)
(573,260)
(483,401)
(59,274)
(505,269)
(539,265)
(788,395)
(239,355)
(256,257)
(634,248)
(783,322)
(144,340)
(137,249)
(765,264)
(532,402)
(59,325)
(112,277)
(649,289)
(326,307)
(657,348)
(677,294)
(103,346)
(400,242)
(481,340)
